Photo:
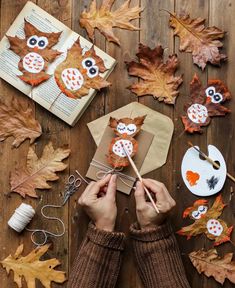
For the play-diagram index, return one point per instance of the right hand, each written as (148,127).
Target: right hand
(146,214)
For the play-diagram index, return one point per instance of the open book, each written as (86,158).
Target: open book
(48,93)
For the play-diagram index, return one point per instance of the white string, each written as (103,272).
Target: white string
(105,170)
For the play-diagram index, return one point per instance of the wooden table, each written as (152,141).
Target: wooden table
(154,30)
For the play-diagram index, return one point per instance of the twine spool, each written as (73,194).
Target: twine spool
(21,217)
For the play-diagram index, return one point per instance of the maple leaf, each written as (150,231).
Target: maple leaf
(105,20)
(205,103)
(209,263)
(31,268)
(203,42)
(158,77)
(18,122)
(38,171)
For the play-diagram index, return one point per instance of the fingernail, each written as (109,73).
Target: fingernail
(114,177)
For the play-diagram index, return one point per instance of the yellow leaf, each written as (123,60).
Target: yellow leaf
(105,20)
(38,171)
(209,263)
(31,268)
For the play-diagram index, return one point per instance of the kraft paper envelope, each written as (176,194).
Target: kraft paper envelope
(144,142)
(156,123)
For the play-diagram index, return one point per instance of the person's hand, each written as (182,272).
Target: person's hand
(146,214)
(99,202)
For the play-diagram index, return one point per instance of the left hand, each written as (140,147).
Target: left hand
(99,202)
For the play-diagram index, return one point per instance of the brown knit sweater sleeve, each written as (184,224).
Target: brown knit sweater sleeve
(98,260)
(158,258)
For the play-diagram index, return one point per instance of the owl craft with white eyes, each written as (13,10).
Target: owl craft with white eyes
(207,221)
(35,52)
(125,129)
(205,103)
(80,71)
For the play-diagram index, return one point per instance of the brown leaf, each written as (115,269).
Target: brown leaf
(73,71)
(202,106)
(203,42)
(158,77)
(31,268)
(204,217)
(38,171)
(209,263)
(18,122)
(34,60)
(105,20)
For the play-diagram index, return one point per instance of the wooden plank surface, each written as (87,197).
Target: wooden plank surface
(154,31)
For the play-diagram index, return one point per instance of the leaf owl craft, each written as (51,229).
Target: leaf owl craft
(206,221)
(125,129)
(206,102)
(80,71)
(35,53)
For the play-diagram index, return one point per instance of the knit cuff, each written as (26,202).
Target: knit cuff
(113,240)
(150,234)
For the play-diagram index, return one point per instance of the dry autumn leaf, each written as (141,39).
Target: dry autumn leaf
(18,122)
(203,42)
(38,171)
(105,20)
(31,268)
(158,77)
(209,263)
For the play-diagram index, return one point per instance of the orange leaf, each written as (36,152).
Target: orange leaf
(31,268)
(210,264)
(105,20)
(203,42)
(158,77)
(18,122)
(38,171)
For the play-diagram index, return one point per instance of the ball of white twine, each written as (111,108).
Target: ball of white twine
(21,217)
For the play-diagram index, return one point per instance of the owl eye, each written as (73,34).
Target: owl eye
(217,98)
(88,62)
(121,128)
(196,215)
(202,209)
(42,42)
(210,91)
(32,41)
(93,71)
(131,128)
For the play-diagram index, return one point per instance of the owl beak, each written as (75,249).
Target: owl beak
(83,71)
(208,100)
(124,135)
(35,49)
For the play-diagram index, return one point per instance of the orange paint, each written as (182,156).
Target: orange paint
(192,177)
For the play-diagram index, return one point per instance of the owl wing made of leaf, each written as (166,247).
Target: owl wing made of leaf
(217,208)
(197,228)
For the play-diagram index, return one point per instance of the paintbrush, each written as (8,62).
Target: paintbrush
(216,165)
(140,178)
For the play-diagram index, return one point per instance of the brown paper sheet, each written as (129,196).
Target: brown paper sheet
(144,142)
(156,123)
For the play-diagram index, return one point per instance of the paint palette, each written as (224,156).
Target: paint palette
(200,177)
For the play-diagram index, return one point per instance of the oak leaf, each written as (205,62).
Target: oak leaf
(38,171)
(158,77)
(105,20)
(209,263)
(31,268)
(18,122)
(203,42)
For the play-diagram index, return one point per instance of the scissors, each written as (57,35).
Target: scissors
(73,183)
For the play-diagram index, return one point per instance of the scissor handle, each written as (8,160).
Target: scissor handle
(72,180)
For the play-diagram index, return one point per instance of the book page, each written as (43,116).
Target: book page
(48,93)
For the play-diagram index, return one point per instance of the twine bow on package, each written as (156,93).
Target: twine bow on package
(153,141)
